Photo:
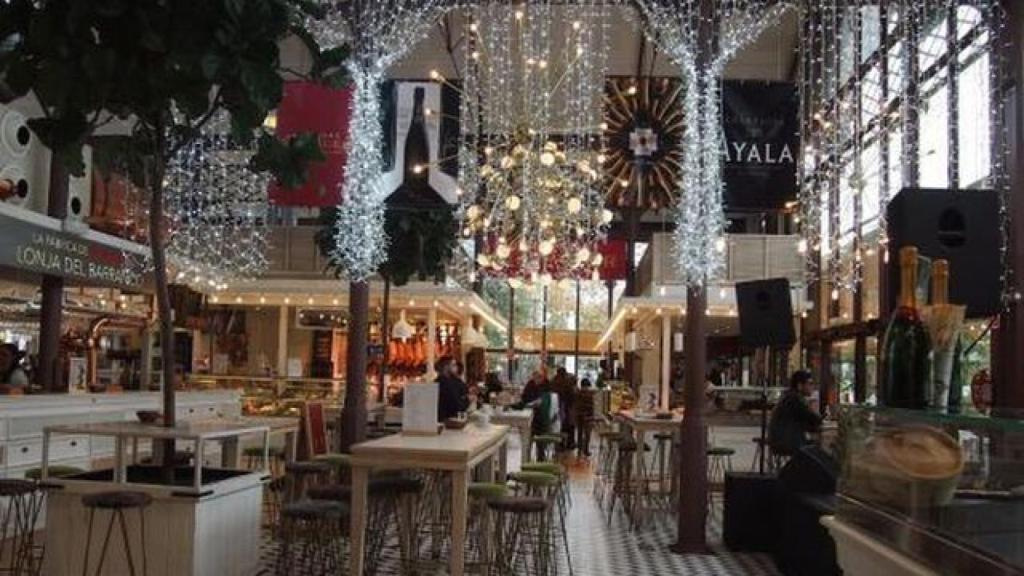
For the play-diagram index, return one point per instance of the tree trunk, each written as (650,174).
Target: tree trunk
(693,475)
(385,338)
(164,312)
(51,374)
(353,416)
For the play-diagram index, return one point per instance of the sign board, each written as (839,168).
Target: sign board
(419,410)
(33,248)
(761,144)
(314,429)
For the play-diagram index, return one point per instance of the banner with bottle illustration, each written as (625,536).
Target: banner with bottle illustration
(421,127)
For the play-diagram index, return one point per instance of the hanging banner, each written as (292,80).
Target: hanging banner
(614,265)
(421,144)
(761,144)
(309,107)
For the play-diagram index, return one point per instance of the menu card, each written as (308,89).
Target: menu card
(419,413)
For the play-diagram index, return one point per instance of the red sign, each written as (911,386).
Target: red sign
(615,264)
(316,429)
(310,107)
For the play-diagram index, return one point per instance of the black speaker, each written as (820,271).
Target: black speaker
(749,511)
(766,313)
(961,226)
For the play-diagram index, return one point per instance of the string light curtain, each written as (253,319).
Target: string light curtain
(675,26)
(531,144)
(894,94)
(379,33)
(217,211)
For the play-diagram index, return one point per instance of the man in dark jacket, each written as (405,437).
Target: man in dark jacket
(452,393)
(792,419)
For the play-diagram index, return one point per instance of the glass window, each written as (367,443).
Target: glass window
(933,148)
(974,108)
(871,164)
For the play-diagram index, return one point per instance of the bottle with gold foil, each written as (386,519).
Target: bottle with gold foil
(906,365)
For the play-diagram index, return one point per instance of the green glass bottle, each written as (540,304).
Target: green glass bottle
(906,366)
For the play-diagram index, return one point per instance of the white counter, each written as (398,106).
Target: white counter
(23,418)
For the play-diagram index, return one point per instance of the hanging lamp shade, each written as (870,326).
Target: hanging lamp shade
(473,338)
(402,330)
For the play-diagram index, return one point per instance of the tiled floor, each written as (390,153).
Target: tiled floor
(602,548)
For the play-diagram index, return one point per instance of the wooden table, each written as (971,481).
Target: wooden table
(455,452)
(521,420)
(226,431)
(286,426)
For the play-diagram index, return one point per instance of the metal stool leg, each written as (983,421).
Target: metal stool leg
(124,540)
(88,542)
(106,543)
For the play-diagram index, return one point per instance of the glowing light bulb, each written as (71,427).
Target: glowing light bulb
(720,245)
(473,212)
(483,260)
(546,247)
(801,246)
(606,216)
(574,205)
(503,251)
(547,158)
(513,202)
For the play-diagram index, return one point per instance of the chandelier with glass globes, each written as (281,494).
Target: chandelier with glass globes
(531,147)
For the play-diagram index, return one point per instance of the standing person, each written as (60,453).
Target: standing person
(546,420)
(792,419)
(532,390)
(12,375)
(565,386)
(452,394)
(584,414)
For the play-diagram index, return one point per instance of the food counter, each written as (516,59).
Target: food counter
(273,396)
(940,493)
(23,418)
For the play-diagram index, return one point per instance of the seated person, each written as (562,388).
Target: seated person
(792,419)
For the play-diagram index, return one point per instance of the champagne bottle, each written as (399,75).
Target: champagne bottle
(906,366)
(417,152)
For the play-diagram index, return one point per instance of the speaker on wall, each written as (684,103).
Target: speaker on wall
(961,226)
(766,313)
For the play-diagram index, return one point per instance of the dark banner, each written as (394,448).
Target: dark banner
(761,144)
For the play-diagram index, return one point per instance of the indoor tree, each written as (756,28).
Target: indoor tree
(161,70)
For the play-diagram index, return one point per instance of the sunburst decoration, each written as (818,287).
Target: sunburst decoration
(644,126)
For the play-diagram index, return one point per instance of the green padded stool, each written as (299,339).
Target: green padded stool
(341,463)
(549,487)
(480,558)
(53,471)
(523,542)
(302,475)
(543,441)
(311,537)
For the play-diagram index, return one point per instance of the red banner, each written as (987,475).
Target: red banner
(615,265)
(310,107)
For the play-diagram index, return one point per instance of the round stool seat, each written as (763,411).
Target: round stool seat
(720,451)
(336,492)
(552,468)
(627,445)
(53,471)
(117,499)
(518,505)
(315,510)
(487,490)
(541,479)
(547,439)
(610,435)
(15,487)
(664,437)
(307,467)
(335,459)
(397,485)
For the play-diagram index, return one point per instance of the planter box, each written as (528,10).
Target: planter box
(214,531)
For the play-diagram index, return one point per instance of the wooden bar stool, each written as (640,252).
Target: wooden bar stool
(117,502)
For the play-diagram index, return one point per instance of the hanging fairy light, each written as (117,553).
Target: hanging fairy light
(216,208)
(676,26)
(379,33)
(880,86)
(530,146)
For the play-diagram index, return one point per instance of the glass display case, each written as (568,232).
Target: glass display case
(944,490)
(267,396)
